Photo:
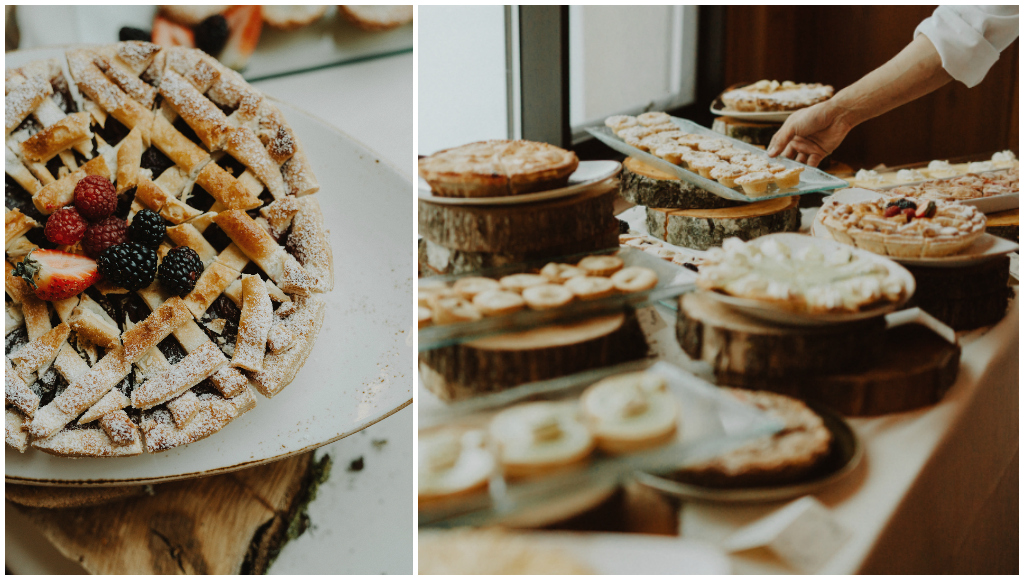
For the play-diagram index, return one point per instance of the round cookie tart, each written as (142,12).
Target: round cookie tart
(630,412)
(113,372)
(453,464)
(497,168)
(537,438)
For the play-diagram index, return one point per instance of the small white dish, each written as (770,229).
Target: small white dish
(587,174)
(986,247)
(775,312)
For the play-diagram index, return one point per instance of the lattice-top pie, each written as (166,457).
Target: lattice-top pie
(170,163)
(904,227)
(498,168)
(775,96)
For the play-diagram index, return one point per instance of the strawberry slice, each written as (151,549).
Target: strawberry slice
(56,275)
(244,26)
(168,33)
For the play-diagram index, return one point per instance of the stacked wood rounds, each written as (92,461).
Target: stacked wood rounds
(685,215)
(1005,224)
(856,369)
(466,238)
(753,132)
(964,298)
(496,363)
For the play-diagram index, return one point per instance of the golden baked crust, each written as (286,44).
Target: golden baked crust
(497,168)
(775,96)
(99,375)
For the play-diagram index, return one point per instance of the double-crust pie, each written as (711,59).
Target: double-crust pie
(809,279)
(970,186)
(498,168)
(775,96)
(904,227)
(218,292)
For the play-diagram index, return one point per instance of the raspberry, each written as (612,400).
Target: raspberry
(95,197)
(129,265)
(104,234)
(65,226)
(180,269)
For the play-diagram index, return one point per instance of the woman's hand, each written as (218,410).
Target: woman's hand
(810,134)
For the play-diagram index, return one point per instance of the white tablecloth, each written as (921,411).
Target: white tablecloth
(361,521)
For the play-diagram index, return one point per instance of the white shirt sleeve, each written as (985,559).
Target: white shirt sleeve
(970,38)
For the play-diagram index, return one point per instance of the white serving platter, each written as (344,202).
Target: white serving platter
(587,175)
(773,312)
(986,247)
(358,370)
(986,205)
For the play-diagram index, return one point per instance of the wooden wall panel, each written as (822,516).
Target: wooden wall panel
(839,44)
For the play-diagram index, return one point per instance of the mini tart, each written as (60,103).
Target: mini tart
(635,132)
(590,287)
(788,177)
(948,228)
(547,296)
(452,464)
(454,309)
(498,302)
(630,412)
(653,118)
(497,168)
(536,438)
(423,316)
(756,183)
(469,287)
(726,174)
(520,282)
(635,279)
(559,273)
(786,457)
(600,265)
(619,122)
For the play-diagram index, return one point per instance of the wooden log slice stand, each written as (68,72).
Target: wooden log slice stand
(701,229)
(644,185)
(471,237)
(753,132)
(498,362)
(964,298)
(1005,224)
(856,369)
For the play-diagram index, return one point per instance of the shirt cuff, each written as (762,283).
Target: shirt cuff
(966,54)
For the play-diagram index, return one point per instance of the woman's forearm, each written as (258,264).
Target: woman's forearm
(914,72)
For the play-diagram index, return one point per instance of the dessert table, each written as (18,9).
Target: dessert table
(361,520)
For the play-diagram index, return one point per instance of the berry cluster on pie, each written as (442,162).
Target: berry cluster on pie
(775,96)
(904,227)
(785,457)
(809,279)
(165,256)
(554,286)
(970,186)
(497,168)
(710,157)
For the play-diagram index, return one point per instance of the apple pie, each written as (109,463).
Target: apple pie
(775,96)
(498,168)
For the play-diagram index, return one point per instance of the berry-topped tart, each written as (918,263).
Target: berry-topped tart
(905,227)
(165,254)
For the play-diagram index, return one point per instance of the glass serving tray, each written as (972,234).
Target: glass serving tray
(710,423)
(811,180)
(673,280)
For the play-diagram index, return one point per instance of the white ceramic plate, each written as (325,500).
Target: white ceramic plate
(764,116)
(984,248)
(358,370)
(990,204)
(587,174)
(776,313)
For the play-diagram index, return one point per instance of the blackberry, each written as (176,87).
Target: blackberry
(180,269)
(211,34)
(129,265)
(147,228)
(155,161)
(623,227)
(129,33)
(905,203)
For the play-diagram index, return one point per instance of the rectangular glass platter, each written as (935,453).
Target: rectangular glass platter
(811,180)
(710,423)
(673,280)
